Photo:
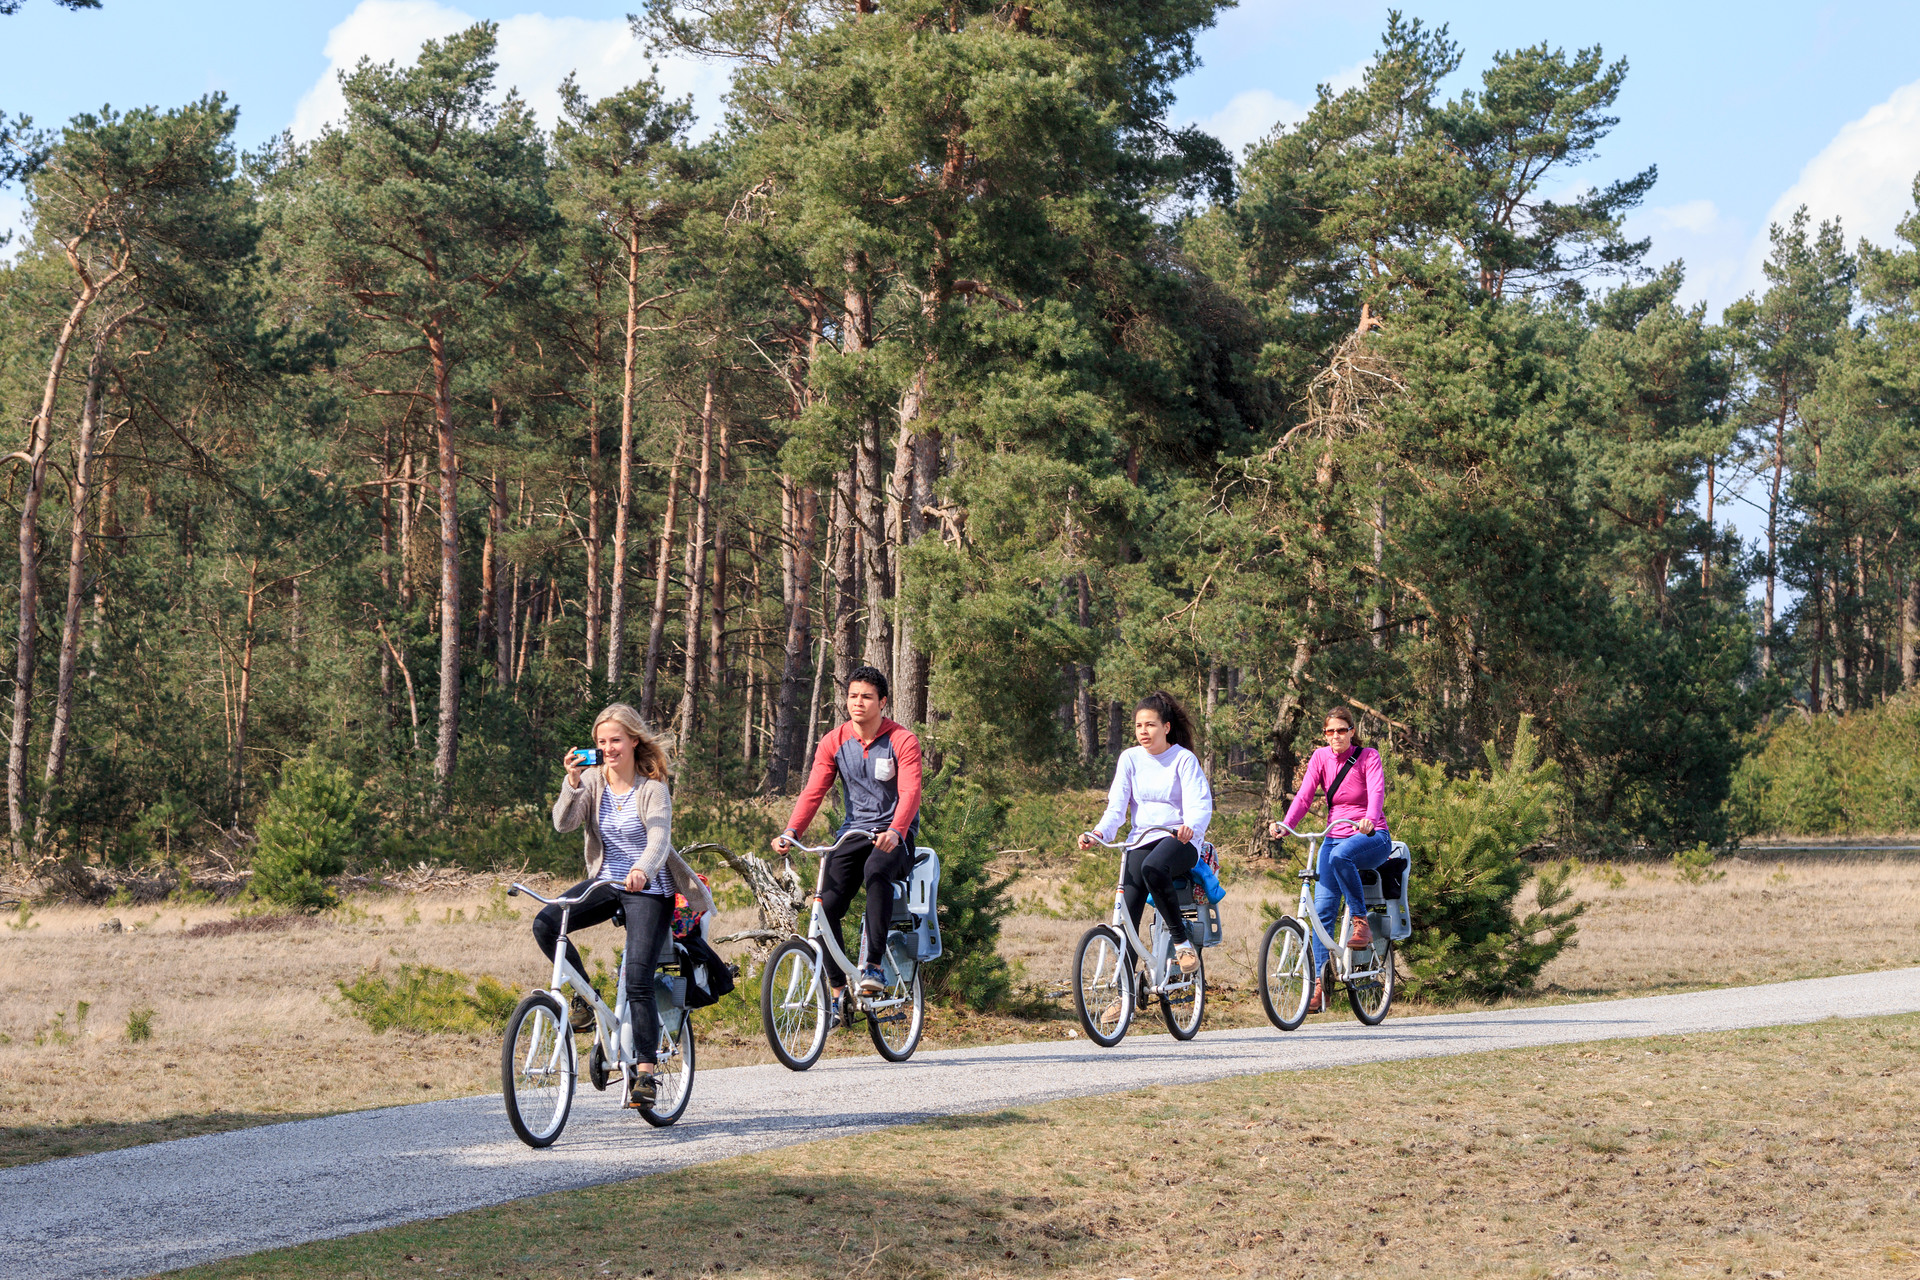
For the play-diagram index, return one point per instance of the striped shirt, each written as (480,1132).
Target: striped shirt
(624,837)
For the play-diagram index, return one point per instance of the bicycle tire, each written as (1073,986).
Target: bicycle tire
(676,1084)
(792,971)
(1372,997)
(1185,1023)
(1106,987)
(598,1072)
(1286,973)
(537,1069)
(896,1031)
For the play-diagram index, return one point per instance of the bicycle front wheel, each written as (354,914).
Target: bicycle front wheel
(1184,1002)
(896,1028)
(1372,996)
(1286,973)
(793,1005)
(537,1069)
(674,1069)
(1102,987)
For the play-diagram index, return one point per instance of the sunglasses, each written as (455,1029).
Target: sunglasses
(1331,732)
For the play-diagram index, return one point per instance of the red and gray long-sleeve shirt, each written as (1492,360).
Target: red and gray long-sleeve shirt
(873,801)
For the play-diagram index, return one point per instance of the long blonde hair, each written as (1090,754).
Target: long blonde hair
(649,757)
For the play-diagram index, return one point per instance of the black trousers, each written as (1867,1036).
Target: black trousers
(859,861)
(647,915)
(1151,869)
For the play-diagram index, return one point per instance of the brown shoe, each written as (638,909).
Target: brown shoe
(1317,1002)
(1362,937)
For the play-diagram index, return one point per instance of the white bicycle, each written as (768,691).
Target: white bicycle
(537,1063)
(1114,972)
(793,987)
(1286,954)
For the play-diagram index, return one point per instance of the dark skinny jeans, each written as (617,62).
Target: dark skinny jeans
(647,915)
(1151,869)
(860,861)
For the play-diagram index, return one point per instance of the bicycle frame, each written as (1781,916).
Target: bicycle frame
(613,1028)
(1341,954)
(820,934)
(1158,957)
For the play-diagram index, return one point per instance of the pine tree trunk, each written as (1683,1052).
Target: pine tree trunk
(846,637)
(76,566)
(447,749)
(489,573)
(39,443)
(595,544)
(617,614)
(875,562)
(717,620)
(1083,722)
(662,565)
(1910,632)
(503,594)
(803,507)
(1773,525)
(696,571)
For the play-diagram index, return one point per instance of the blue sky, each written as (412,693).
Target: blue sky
(1748,109)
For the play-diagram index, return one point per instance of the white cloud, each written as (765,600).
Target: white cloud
(535,54)
(1249,117)
(1697,216)
(1864,177)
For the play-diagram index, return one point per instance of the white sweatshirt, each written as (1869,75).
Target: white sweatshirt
(1150,791)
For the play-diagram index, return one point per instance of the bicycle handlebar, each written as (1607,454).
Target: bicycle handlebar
(1118,844)
(519,889)
(829,848)
(1320,835)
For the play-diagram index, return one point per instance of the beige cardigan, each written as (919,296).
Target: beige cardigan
(582,804)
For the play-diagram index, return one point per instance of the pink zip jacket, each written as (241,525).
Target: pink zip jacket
(1363,793)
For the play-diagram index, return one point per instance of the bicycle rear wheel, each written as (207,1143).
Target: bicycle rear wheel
(1371,997)
(674,1068)
(793,1005)
(1286,973)
(1102,986)
(537,1069)
(896,1029)
(1184,1003)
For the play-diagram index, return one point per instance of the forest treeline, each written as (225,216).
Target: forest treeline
(409,446)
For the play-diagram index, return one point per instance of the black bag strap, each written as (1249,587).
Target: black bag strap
(1341,777)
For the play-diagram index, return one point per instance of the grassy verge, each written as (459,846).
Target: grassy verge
(1780,1152)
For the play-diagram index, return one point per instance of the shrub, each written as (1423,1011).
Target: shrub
(1468,836)
(959,820)
(1695,865)
(426,999)
(1831,775)
(313,825)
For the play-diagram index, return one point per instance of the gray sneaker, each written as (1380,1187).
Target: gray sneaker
(646,1088)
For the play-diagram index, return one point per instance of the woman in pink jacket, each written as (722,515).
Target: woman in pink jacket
(1357,840)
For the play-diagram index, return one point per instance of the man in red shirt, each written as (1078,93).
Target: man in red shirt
(878,764)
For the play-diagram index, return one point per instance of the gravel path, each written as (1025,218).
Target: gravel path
(171,1204)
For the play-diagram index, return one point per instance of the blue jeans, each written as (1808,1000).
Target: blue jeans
(1341,862)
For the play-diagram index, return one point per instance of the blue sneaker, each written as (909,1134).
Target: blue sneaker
(872,981)
(836,1013)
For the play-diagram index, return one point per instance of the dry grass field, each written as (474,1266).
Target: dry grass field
(1784,1152)
(249,1026)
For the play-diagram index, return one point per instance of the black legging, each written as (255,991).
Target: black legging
(1151,869)
(647,915)
(859,861)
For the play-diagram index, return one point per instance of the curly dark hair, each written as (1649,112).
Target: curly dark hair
(870,676)
(1172,714)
